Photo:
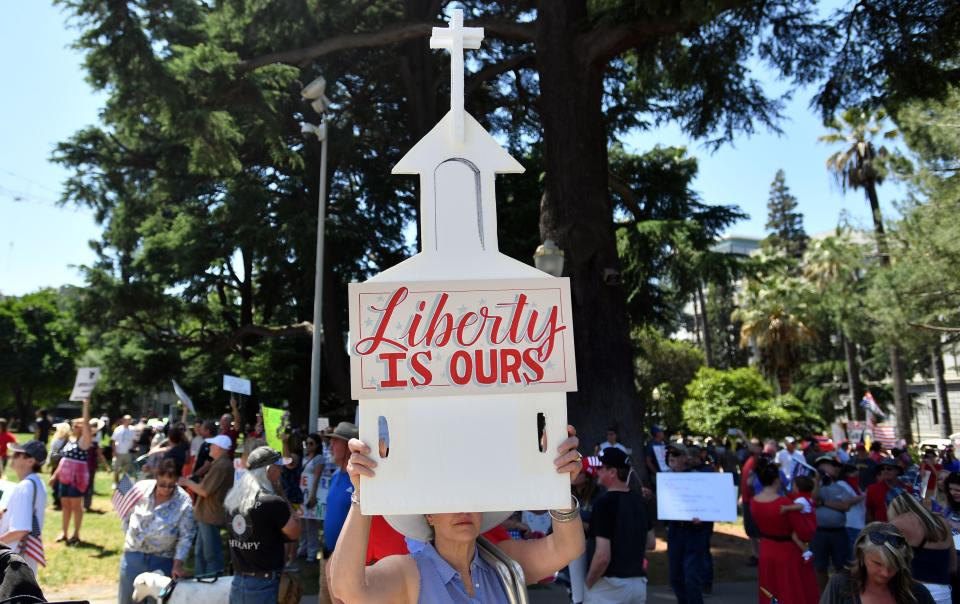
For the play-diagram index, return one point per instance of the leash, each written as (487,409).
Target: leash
(167,591)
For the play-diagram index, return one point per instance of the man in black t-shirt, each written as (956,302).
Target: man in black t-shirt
(260,520)
(622,530)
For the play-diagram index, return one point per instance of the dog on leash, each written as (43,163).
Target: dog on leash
(186,591)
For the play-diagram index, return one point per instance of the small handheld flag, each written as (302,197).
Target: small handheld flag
(125,497)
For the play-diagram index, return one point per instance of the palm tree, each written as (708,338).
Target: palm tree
(773,315)
(863,165)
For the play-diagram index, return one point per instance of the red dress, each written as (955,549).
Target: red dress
(782,570)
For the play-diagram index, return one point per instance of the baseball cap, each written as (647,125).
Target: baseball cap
(613,457)
(789,440)
(655,429)
(221,440)
(33,448)
(265,456)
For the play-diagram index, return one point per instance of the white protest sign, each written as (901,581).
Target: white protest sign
(455,351)
(87,378)
(236,385)
(183,396)
(689,495)
(323,423)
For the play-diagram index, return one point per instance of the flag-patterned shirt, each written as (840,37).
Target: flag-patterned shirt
(164,530)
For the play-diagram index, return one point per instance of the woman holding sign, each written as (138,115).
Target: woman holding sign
(450,549)
(73,475)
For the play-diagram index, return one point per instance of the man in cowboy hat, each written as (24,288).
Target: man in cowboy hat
(338,496)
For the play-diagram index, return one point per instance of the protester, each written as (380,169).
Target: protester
(746,494)
(866,467)
(876,452)
(260,520)
(950,463)
(447,568)
(655,455)
(951,509)
(22,523)
(882,492)
(843,452)
(782,570)
(290,482)
(203,460)
(311,474)
(230,424)
(95,457)
(612,441)
(73,475)
(621,530)
(587,490)
(159,530)
(830,542)
(856,517)
(42,426)
(930,538)
(788,456)
(123,439)
(61,436)
(208,509)
(880,571)
(688,544)
(6,438)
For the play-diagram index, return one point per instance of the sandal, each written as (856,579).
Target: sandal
(73,540)
(61,537)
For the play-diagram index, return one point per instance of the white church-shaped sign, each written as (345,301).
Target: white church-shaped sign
(460,354)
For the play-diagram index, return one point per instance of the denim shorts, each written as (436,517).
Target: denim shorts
(68,490)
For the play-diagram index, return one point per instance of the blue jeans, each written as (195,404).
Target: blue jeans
(852,534)
(207,551)
(310,539)
(687,553)
(254,590)
(134,563)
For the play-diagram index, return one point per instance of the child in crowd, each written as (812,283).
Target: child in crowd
(804,494)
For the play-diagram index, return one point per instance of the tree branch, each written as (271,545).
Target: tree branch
(937,328)
(601,44)
(521,32)
(627,196)
(492,70)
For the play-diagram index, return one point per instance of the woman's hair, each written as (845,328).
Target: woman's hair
(175,435)
(315,437)
(767,471)
(896,557)
(935,529)
(167,467)
(954,478)
(62,431)
(243,495)
(803,483)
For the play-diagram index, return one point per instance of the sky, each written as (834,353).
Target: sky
(46,100)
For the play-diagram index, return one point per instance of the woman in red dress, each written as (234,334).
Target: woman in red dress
(782,571)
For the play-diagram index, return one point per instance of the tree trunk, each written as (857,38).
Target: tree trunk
(575,212)
(705,325)
(901,399)
(853,378)
(940,385)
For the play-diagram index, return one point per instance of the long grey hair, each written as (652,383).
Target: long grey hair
(243,495)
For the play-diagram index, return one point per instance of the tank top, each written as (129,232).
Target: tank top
(439,582)
(72,450)
(931,565)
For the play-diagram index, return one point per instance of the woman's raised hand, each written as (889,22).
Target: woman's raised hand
(359,464)
(568,458)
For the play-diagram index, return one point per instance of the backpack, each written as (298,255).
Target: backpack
(18,579)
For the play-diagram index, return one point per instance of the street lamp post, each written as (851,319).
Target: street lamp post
(314,92)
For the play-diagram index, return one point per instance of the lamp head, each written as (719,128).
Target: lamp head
(315,89)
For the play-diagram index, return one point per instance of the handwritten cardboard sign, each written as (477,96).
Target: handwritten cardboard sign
(465,337)
(87,378)
(706,496)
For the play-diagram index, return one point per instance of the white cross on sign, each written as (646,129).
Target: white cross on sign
(455,38)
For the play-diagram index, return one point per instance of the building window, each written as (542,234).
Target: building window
(933,409)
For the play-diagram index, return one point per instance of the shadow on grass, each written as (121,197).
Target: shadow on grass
(97,551)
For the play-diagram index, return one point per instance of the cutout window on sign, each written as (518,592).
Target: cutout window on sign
(541,432)
(383,445)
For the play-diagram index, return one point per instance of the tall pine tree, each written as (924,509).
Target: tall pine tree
(783,221)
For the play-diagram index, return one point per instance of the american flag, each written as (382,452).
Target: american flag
(125,496)
(870,404)
(887,435)
(32,545)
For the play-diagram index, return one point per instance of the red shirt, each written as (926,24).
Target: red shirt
(5,439)
(746,493)
(385,541)
(877,500)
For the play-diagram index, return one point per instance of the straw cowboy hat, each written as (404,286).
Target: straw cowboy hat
(415,525)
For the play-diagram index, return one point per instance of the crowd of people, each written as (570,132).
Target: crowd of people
(855,524)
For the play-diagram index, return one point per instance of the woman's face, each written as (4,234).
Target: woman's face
(166,485)
(954,490)
(457,527)
(877,570)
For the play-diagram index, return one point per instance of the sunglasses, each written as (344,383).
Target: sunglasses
(17,454)
(171,485)
(878,538)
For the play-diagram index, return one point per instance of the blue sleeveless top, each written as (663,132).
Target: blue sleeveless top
(440,583)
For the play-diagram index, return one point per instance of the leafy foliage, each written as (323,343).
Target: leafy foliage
(663,368)
(784,222)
